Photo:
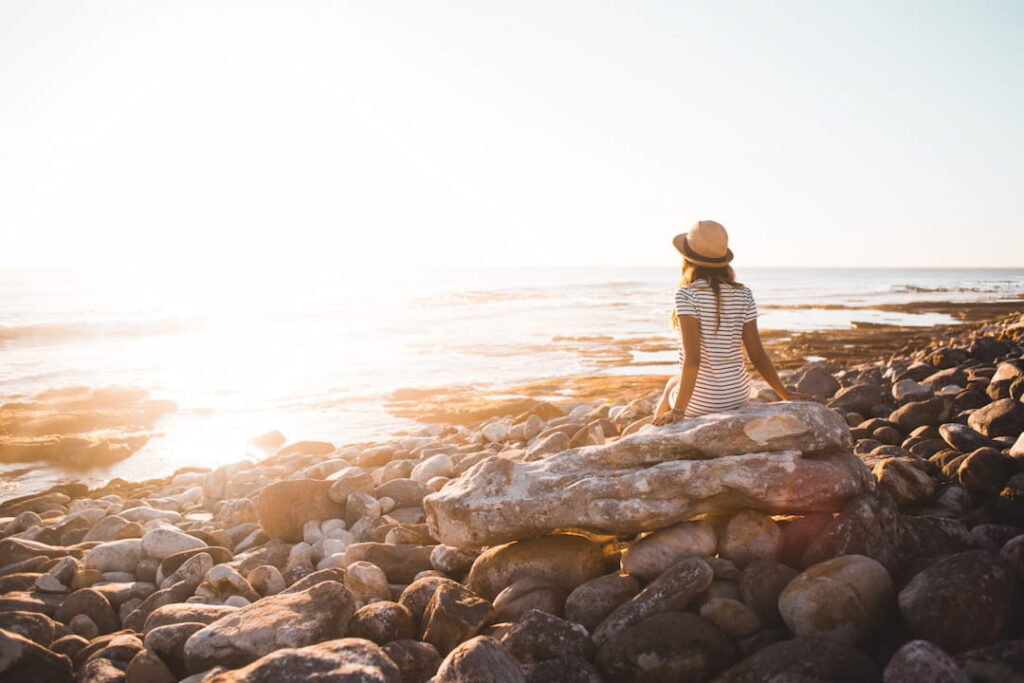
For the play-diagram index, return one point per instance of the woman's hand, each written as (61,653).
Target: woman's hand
(668,418)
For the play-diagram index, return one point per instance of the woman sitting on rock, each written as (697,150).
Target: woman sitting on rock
(716,316)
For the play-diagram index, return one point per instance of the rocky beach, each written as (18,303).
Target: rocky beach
(549,533)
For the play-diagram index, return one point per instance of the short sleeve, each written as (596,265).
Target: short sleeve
(751,312)
(684,304)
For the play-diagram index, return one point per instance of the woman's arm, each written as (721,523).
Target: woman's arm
(759,357)
(689,328)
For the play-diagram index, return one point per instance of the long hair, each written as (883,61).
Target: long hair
(716,277)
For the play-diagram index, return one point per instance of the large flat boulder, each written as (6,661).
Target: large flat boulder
(778,458)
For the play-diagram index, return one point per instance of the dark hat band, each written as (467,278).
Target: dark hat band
(719,261)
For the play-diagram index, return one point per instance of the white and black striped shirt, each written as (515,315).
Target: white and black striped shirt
(722,381)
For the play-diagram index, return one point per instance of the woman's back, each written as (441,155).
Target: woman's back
(722,382)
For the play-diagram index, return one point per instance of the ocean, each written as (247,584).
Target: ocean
(315,355)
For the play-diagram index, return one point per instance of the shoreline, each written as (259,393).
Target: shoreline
(114,422)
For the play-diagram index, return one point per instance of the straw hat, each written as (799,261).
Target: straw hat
(706,244)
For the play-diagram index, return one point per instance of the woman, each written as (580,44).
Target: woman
(715,316)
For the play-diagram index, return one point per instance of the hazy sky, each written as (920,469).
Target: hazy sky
(334,134)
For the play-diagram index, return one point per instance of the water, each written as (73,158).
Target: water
(315,354)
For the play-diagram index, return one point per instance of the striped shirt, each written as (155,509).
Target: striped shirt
(722,381)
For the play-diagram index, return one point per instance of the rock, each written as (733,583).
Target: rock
(93,604)
(495,432)
(985,471)
(367,582)
(869,524)
(528,594)
(667,647)
(595,599)
(452,560)
(405,492)
(927,538)
(284,507)
(672,590)
(439,465)
(178,592)
(454,614)
(1004,417)
(659,550)
(963,438)
(172,563)
(732,617)
(286,620)
(565,560)
(563,670)
(346,659)
(907,390)
(760,586)
(417,594)
(750,536)
(841,599)
(933,411)
(866,399)
(162,542)
(905,479)
(38,628)
(749,458)
(416,661)
(146,667)
(401,563)
(540,636)
(82,625)
(266,580)
(350,480)
(920,661)
(382,622)
(555,442)
(817,382)
(803,660)
(1017,449)
(479,660)
(115,556)
(23,660)
(168,642)
(960,602)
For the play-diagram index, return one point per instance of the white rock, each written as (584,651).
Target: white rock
(236,601)
(106,529)
(533,426)
(1017,449)
(311,532)
(367,582)
(329,526)
(159,543)
(439,465)
(144,514)
(387,504)
(495,432)
(333,546)
(581,411)
(115,556)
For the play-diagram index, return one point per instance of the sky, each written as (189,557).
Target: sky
(340,135)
